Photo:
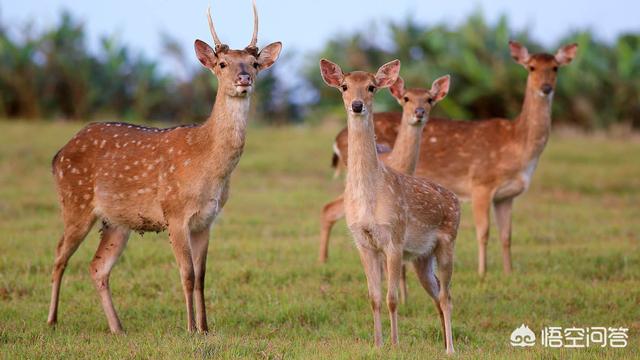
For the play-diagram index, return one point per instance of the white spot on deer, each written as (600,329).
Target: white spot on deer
(79,182)
(172,168)
(108,125)
(81,206)
(83,148)
(106,174)
(125,144)
(120,176)
(86,196)
(186,162)
(127,167)
(75,171)
(179,152)
(95,142)
(60,174)
(103,143)
(170,150)
(150,167)
(433,139)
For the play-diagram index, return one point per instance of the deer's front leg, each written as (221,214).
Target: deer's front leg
(394,272)
(179,238)
(199,246)
(372,267)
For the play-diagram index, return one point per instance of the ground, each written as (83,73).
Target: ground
(576,257)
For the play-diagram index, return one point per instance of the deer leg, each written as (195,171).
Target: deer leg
(444,260)
(429,281)
(332,212)
(179,238)
(502,210)
(112,243)
(404,293)
(394,271)
(480,202)
(199,246)
(371,262)
(75,230)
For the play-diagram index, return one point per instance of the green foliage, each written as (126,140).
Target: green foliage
(54,75)
(576,250)
(599,88)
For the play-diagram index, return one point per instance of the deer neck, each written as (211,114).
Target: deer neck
(363,168)
(223,135)
(406,149)
(533,125)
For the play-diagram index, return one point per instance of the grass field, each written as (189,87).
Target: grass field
(576,255)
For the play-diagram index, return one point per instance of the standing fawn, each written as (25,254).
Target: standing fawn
(491,160)
(392,216)
(416,105)
(147,179)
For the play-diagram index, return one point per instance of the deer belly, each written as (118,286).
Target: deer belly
(137,213)
(419,243)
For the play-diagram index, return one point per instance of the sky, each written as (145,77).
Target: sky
(305,25)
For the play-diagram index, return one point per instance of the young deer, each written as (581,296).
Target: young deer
(147,179)
(489,160)
(392,216)
(416,105)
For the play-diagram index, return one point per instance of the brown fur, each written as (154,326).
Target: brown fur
(489,160)
(393,217)
(416,105)
(147,179)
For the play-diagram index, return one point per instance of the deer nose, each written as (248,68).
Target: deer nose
(546,89)
(357,106)
(420,112)
(243,80)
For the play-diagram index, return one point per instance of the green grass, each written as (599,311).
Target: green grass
(576,258)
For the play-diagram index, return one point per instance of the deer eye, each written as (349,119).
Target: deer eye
(430,101)
(406,99)
(256,65)
(344,87)
(372,88)
(223,65)
(532,68)
(555,69)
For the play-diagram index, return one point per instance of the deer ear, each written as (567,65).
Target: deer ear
(205,54)
(566,54)
(397,89)
(519,53)
(269,55)
(331,73)
(388,74)
(440,88)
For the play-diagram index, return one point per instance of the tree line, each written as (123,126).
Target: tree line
(54,75)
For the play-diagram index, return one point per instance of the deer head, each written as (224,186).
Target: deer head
(358,87)
(236,70)
(416,102)
(542,67)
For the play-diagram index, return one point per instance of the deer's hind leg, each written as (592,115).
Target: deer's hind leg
(76,226)
(429,281)
(112,243)
(444,260)
(331,213)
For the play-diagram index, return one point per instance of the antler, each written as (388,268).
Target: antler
(216,39)
(254,38)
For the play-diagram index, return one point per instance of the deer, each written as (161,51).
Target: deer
(393,217)
(416,106)
(143,179)
(487,161)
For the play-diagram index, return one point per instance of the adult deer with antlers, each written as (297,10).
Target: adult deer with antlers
(486,161)
(416,105)
(148,179)
(393,217)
